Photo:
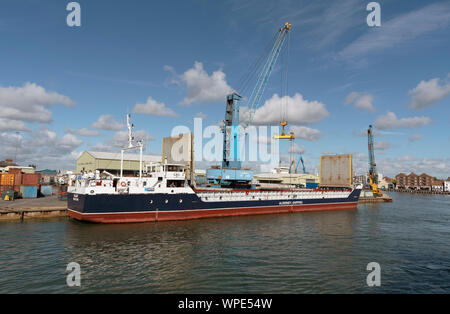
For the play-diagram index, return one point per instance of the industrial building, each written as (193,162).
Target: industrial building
(386,183)
(104,161)
(418,182)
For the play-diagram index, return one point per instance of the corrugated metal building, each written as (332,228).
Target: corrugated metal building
(91,161)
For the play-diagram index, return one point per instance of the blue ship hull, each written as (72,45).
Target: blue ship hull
(121,208)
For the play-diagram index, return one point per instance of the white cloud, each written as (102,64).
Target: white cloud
(305,133)
(120,140)
(438,167)
(41,147)
(360,100)
(152,107)
(295,149)
(28,103)
(107,122)
(298,111)
(83,132)
(69,141)
(202,87)
(415,137)
(390,121)
(383,145)
(428,93)
(12,125)
(201,115)
(400,29)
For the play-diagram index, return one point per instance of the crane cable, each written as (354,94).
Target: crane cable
(244,82)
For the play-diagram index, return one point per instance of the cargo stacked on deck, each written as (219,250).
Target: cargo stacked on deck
(336,171)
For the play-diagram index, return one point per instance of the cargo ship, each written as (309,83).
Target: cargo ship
(162,191)
(163,194)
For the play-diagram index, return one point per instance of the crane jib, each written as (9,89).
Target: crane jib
(231,172)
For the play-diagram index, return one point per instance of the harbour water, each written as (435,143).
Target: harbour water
(325,252)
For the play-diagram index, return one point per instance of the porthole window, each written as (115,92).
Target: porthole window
(181,201)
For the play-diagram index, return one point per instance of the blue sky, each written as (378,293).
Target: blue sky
(178,58)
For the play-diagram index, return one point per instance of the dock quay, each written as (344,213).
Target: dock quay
(21,209)
(432,192)
(375,199)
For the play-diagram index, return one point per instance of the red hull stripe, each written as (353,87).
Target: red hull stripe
(204,213)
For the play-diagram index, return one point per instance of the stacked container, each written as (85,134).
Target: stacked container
(6,182)
(28,191)
(62,193)
(46,190)
(29,187)
(17,172)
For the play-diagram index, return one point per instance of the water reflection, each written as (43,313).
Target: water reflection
(325,252)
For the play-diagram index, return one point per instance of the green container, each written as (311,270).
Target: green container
(28,191)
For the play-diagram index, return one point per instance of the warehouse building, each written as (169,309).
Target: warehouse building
(103,161)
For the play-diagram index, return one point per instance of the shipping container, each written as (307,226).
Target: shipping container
(15,170)
(46,190)
(312,185)
(18,179)
(63,196)
(7,179)
(30,179)
(28,191)
(336,171)
(4,188)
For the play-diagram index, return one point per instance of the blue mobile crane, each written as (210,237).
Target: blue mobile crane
(231,174)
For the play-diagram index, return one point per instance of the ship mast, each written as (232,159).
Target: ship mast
(131,146)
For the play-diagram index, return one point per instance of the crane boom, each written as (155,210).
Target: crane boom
(261,84)
(303,164)
(231,172)
(373,175)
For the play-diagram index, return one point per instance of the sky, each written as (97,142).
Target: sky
(64,90)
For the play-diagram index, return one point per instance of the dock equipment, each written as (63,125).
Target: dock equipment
(231,174)
(298,164)
(373,175)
